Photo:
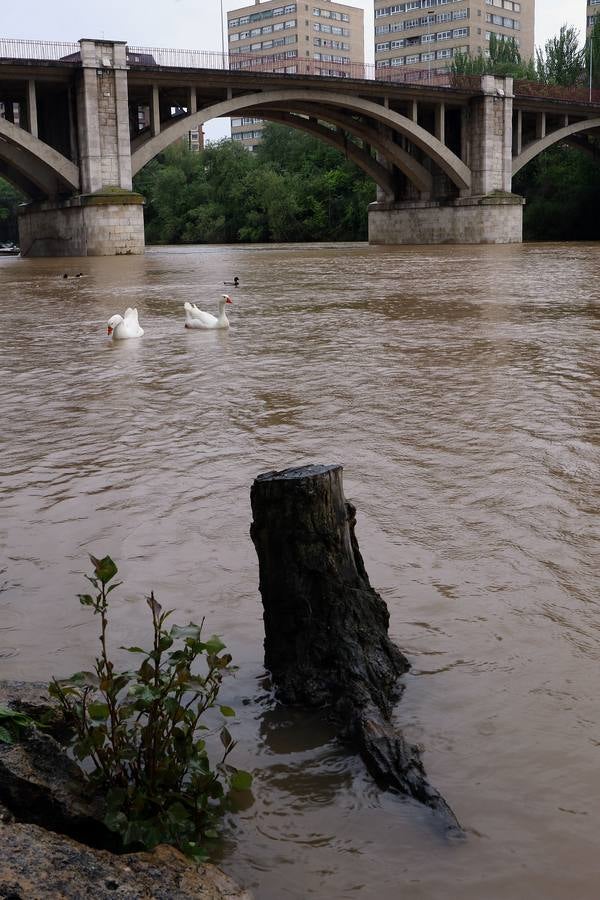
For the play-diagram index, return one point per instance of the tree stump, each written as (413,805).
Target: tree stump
(326,628)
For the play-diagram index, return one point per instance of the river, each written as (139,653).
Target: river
(460,389)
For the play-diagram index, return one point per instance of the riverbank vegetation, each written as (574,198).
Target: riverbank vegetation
(9,200)
(143,733)
(292,188)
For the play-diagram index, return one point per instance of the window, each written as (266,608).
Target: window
(443,35)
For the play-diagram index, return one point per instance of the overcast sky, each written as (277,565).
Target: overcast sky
(193,24)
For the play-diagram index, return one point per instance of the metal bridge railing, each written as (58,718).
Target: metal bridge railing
(281,64)
(39,50)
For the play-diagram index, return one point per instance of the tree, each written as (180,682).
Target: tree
(293,188)
(9,200)
(562,189)
(562,61)
(592,55)
(503,60)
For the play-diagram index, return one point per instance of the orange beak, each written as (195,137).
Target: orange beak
(229,300)
(109,330)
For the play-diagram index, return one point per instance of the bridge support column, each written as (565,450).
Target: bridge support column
(468,220)
(488,213)
(100,224)
(106,219)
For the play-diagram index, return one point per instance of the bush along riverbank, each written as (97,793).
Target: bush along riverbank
(146,778)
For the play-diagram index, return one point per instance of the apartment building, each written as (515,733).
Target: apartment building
(592,14)
(319,37)
(423,35)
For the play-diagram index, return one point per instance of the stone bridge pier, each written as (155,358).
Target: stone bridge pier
(104,217)
(482,209)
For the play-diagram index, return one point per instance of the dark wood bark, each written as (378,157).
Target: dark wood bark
(326,628)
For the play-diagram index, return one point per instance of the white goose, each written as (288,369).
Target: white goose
(126,326)
(197,318)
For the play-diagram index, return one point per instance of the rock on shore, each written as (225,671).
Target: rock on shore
(50,833)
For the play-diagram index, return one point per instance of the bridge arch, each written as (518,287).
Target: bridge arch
(355,154)
(387,149)
(555,137)
(451,164)
(34,166)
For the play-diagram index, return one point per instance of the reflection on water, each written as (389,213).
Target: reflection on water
(460,389)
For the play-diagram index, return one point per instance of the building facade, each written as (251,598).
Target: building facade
(423,36)
(592,14)
(319,37)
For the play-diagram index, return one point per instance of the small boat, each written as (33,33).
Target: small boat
(9,249)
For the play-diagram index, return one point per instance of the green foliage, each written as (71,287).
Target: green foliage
(504,59)
(9,200)
(293,188)
(562,61)
(13,725)
(592,55)
(562,189)
(142,732)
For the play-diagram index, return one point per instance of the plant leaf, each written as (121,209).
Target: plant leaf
(105,568)
(5,736)
(99,712)
(241,781)
(214,644)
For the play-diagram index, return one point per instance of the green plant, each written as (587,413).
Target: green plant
(140,729)
(13,724)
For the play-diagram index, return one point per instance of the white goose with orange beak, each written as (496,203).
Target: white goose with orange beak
(127,326)
(197,318)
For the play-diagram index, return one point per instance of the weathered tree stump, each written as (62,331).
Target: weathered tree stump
(326,628)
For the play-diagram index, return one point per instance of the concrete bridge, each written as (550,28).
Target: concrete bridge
(77,121)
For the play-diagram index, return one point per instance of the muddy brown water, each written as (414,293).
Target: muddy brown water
(460,389)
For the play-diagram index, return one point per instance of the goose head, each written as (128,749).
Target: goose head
(113,322)
(226,299)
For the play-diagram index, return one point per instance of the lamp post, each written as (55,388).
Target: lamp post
(591,60)
(222,35)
